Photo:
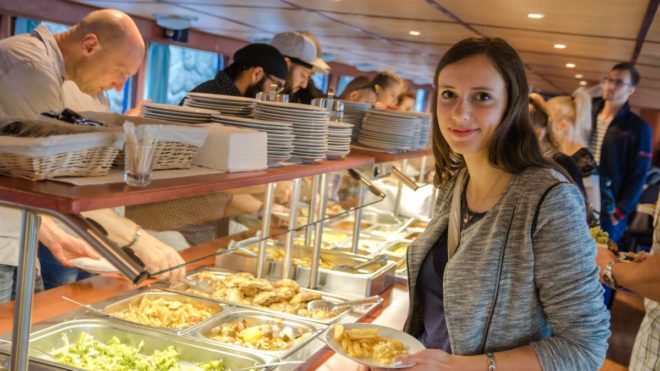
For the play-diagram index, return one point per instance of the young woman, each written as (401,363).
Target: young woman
(504,275)
(570,124)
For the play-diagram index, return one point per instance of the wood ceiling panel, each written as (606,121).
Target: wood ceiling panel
(447,33)
(249,3)
(579,46)
(147,10)
(559,62)
(272,20)
(401,9)
(647,98)
(616,18)
(654,31)
(650,54)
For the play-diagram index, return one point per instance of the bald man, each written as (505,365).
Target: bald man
(98,54)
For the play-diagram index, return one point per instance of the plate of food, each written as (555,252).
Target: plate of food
(372,345)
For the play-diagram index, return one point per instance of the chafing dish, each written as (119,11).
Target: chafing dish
(303,332)
(192,351)
(122,304)
(220,274)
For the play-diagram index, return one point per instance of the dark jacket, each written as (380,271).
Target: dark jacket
(625,157)
(221,84)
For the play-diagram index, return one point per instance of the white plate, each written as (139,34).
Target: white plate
(221,97)
(97,266)
(181,109)
(412,345)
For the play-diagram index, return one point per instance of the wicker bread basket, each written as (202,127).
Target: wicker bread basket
(177,144)
(45,148)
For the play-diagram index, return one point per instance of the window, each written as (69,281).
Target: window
(420,100)
(341,84)
(173,70)
(321,82)
(119,101)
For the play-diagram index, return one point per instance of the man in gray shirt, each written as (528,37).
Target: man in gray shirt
(98,54)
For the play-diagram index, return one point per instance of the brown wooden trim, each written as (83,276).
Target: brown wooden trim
(5,25)
(644,28)
(390,157)
(65,198)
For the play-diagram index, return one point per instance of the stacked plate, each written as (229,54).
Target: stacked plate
(425,131)
(390,131)
(339,140)
(280,135)
(226,104)
(310,127)
(354,114)
(182,114)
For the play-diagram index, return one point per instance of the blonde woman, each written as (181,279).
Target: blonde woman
(570,125)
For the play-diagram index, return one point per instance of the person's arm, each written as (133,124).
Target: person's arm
(63,246)
(566,278)
(522,358)
(639,160)
(155,254)
(641,277)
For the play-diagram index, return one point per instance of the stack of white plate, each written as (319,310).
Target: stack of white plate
(390,131)
(354,114)
(182,114)
(310,127)
(225,104)
(280,135)
(425,131)
(339,140)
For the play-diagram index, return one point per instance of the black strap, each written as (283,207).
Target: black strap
(538,206)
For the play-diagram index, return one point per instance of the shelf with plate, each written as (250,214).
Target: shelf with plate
(380,157)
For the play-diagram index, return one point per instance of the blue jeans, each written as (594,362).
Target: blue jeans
(55,274)
(8,283)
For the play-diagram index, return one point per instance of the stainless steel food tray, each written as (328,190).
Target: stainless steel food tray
(193,351)
(181,287)
(254,318)
(377,280)
(122,302)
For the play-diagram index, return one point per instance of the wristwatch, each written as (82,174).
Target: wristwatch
(608,277)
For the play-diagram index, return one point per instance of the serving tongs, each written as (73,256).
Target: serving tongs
(88,307)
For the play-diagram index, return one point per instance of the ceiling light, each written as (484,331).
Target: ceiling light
(535,15)
(560,46)
(570,65)
(583,83)
(579,75)
(415,33)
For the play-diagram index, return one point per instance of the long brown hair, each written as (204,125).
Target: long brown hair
(514,146)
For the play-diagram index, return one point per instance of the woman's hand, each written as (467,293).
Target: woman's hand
(158,256)
(427,359)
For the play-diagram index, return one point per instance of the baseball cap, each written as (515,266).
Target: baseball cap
(295,46)
(319,64)
(264,56)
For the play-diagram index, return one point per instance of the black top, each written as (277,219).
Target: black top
(435,334)
(570,166)
(221,84)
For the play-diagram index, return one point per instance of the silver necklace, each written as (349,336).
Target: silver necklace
(467,218)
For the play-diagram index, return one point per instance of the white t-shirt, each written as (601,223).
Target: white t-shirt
(31,76)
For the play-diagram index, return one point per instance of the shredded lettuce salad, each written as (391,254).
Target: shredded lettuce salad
(91,354)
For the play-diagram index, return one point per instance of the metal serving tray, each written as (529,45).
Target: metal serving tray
(221,273)
(193,351)
(378,278)
(122,303)
(255,318)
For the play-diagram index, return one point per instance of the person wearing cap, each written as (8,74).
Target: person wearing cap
(300,53)
(254,69)
(311,92)
(360,89)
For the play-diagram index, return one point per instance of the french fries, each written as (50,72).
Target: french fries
(366,344)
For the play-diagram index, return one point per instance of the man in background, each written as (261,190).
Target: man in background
(621,144)
(300,54)
(255,67)
(98,54)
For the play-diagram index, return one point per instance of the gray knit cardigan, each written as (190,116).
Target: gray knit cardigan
(524,274)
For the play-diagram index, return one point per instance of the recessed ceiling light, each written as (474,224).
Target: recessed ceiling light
(535,15)
(570,65)
(583,83)
(560,46)
(415,33)
(579,75)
